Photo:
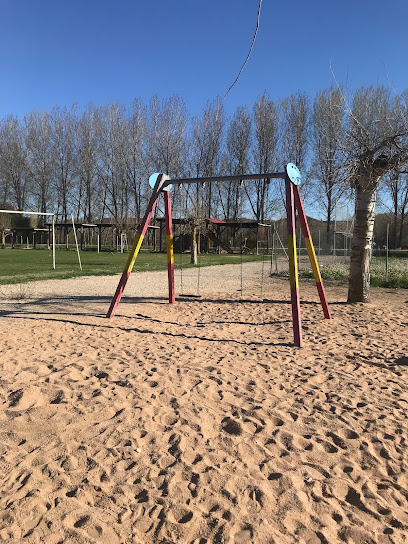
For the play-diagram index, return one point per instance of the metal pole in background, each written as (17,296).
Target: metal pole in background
(262,275)
(345,247)
(76,241)
(334,235)
(386,254)
(242,258)
(53,242)
(169,244)
(268,232)
(273,248)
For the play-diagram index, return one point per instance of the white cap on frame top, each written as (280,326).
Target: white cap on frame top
(293,173)
(153,180)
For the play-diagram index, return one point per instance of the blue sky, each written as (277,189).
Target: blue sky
(60,52)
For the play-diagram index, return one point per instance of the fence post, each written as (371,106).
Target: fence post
(386,254)
(273,248)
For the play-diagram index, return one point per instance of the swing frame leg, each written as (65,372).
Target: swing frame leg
(293,266)
(141,231)
(311,252)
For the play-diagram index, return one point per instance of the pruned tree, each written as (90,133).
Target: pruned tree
(375,144)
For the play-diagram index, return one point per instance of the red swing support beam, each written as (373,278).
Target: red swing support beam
(161,184)
(157,181)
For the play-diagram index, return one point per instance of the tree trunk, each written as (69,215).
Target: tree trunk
(359,279)
(194,244)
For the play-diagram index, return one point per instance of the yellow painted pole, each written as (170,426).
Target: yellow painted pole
(141,231)
(293,267)
(311,252)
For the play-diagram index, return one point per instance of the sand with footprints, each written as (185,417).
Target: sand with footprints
(200,423)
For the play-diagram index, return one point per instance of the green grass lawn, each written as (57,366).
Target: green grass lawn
(23,265)
(397,272)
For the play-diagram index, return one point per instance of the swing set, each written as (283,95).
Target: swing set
(161,183)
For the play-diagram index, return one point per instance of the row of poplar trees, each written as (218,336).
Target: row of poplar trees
(95,163)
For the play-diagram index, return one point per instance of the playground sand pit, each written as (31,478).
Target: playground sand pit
(200,422)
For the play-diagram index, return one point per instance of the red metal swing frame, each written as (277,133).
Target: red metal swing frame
(293,202)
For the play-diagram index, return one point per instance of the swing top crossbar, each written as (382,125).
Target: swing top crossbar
(26,213)
(238,177)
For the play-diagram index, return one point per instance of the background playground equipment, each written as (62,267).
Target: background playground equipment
(161,184)
(218,236)
(51,227)
(101,236)
(89,234)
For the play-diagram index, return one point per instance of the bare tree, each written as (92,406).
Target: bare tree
(295,127)
(111,164)
(266,119)
(205,156)
(13,166)
(295,130)
(375,143)
(40,158)
(167,123)
(327,161)
(206,146)
(87,191)
(64,168)
(133,150)
(237,159)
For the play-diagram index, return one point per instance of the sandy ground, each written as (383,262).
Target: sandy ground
(200,422)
